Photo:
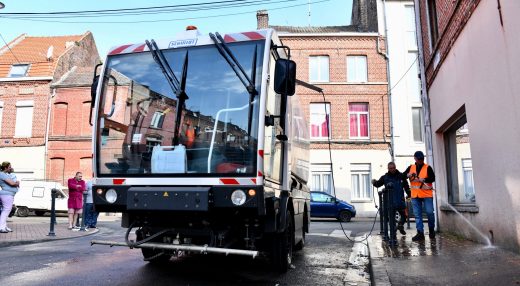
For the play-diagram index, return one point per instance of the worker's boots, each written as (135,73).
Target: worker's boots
(432,233)
(400,227)
(418,237)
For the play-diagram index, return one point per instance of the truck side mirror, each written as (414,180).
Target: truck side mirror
(285,77)
(93,89)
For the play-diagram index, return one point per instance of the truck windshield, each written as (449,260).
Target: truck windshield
(136,117)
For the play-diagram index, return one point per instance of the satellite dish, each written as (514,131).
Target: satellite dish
(49,52)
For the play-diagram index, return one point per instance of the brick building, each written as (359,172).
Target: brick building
(471,76)
(347,62)
(28,68)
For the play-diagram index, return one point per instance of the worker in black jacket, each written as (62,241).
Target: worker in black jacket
(400,186)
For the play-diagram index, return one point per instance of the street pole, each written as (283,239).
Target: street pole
(53,211)
(84,210)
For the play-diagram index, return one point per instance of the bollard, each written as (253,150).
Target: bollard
(381,212)
(84,210)
(53,212)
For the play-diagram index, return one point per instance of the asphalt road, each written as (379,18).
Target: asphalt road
(324,261)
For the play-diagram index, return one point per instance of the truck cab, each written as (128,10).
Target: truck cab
(200,143)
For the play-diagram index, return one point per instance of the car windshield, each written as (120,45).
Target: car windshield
(138,113)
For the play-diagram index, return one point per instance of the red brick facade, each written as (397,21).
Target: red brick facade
(338,92)
(451,19)
(49,60)
(70,134)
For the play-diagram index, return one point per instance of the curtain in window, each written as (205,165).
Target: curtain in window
(353,125)
(315,182)
(363,125)
(324,127)
(327,183)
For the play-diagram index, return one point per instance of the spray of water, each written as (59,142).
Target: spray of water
(486,239)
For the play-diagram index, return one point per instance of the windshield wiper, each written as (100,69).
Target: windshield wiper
(248,82)
(179,88)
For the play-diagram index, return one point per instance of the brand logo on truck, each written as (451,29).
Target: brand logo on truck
(182,43)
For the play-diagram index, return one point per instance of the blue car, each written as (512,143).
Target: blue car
(325,205)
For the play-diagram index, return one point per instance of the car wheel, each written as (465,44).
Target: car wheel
(345,216)
(281,254)
(22,212)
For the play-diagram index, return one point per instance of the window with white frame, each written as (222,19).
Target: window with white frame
(360,177)
(319,69)
(157,119)
(19,70)
(467,175)
(417,124)
(321,182)
(320,120)
(358,117)
(24,118)
(357,69)
(411,40)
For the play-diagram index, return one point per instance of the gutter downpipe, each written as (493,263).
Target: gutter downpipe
(51,96)
(426,104)
(386,55)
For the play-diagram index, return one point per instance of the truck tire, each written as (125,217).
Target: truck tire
(300,245)
(154,256)
(39,213)
(22,211)
(345,216)
(282,252)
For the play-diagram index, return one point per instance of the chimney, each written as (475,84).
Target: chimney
(262,19)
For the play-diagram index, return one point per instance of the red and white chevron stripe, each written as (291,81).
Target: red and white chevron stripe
(246,36)
(238,181)
(127,49)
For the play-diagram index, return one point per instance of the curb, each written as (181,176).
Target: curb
(25,242)
(378,273)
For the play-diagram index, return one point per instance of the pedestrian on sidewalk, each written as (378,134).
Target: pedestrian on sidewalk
(400,187)
(421,178)
(75,203)
(9,184)
(91,215)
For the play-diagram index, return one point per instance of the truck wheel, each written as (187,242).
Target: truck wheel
(301,244)
(39,213)
(155,256)
(345,216)
(283,246)
(22,211)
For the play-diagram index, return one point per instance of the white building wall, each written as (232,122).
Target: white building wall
(482,73)
(27,162)
(404,79)
(342,161)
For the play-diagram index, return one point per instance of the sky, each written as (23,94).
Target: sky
(106,35)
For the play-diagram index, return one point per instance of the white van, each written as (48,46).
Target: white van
(35,195)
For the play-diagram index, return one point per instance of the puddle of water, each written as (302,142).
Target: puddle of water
(486,239)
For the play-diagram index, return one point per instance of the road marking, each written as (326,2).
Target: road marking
(335,233)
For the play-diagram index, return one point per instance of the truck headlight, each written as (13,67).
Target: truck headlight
(111,196)
(238,197)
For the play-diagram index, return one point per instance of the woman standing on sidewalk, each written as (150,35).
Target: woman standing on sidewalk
(75,202)
(9,186)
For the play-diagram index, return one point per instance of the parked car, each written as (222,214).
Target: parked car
(325,205)
(35,195)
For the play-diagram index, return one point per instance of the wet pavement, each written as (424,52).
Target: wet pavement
(327,259)
(445,260)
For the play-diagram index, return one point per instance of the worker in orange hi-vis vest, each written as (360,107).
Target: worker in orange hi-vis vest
(421,178)
(190,135)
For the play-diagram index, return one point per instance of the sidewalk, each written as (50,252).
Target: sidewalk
(447,260)
(36,229)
